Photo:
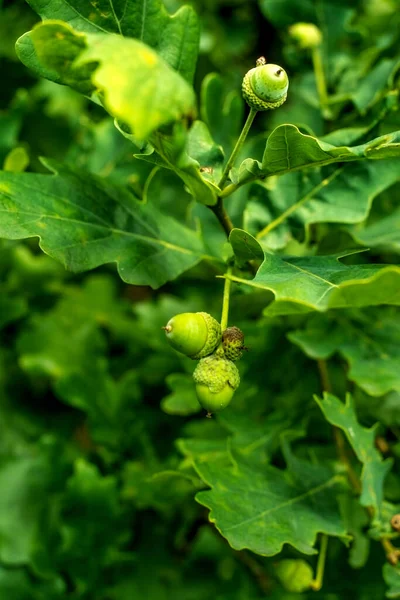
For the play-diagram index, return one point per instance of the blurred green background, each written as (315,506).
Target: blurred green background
(96,501)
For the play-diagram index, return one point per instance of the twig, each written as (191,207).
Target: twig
(222,216)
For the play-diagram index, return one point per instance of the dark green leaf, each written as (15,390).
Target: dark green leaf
(369,343)
(83,221)
(303,284)
(175,37)
(362,441)
(263,508)
(288,150)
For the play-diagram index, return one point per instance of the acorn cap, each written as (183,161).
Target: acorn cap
(232,343)
(216,372)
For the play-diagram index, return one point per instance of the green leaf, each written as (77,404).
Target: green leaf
(384,233)
(182,400)
(362,441)
(84,221)
(25,481)
(135,84)
(174,37)
(163,490)
(12,307)
(261,507)
(89,500)
(303,284)
(391,576)
(221,110)
(369,343)
(193,157)
(17,584)
(345,195)
(245,246)
(288,150)
(375,82)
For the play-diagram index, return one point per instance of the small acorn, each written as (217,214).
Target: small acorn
(216,380)
(307,35)
(395,522)
(265,87)
(232,343)
(194,334)
(296,575)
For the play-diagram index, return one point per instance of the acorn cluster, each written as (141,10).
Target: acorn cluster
(199,336)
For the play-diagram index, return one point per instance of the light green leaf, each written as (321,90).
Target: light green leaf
(289,150)
(174,37)
(84,221)
(261,507)
(362,441)
(135,84)
(369,342)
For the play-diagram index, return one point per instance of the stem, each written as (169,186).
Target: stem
(316,585)
(239,144)
(321,82)
(225,301)
(222,216)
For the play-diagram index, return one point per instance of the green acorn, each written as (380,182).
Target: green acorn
(265,87)
(296,575)
(232,343)
(194,334)
(307,35)
(216,380)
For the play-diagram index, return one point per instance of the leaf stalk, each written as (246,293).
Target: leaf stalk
(241,139)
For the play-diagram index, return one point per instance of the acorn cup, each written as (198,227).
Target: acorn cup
(194,334)
(232,343)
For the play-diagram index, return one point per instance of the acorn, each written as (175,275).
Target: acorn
(307,35)
(194,334)
(265,87)
(216,380)
(232,343)
(295,575)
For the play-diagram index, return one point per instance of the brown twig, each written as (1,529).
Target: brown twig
(222,216)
